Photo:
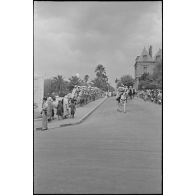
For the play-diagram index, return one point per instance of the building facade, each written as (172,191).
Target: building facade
(145,63)
(38,92)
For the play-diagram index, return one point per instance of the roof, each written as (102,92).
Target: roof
(144,56)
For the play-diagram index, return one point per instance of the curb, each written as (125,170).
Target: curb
(85,116)
(37,119)
(82,119)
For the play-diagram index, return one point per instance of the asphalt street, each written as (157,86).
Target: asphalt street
(110,152)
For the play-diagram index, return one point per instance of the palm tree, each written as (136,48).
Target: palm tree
(74,80)
(127,80)
(100,70)
(101,79)
(86,78)
(58,83)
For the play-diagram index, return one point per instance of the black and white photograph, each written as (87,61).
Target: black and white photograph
(97,97)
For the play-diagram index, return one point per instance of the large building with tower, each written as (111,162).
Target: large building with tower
(145,63)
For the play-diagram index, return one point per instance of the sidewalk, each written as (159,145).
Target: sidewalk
(81,114)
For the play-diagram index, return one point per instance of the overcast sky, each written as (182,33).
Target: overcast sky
(74,37)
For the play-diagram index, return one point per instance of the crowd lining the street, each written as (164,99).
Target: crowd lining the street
(124,93)
(65,107)
(153,95)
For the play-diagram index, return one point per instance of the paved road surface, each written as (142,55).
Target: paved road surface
(111,152)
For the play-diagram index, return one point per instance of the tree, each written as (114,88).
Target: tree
(58,84)
(119,84)
(151,81)
(74,80)
(65,88)
(101,80)
(147,84)
(86,78)
(110,88)
(146,77)
(126,80)
(157,75)
(116,80)
(97,83)
(158,71)
(48,87)
(101,72)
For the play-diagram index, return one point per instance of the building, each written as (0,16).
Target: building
(38,92)
(145,63)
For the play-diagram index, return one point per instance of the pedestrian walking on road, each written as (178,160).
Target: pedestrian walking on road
(44,114)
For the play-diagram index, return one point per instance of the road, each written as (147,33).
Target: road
(110,152)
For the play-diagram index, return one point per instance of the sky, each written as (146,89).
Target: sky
(74,37)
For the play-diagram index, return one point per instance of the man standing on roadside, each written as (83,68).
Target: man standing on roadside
(65,107)
(44,114)
(72,108)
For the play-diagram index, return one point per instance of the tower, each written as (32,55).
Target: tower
(145,63)
(150,50)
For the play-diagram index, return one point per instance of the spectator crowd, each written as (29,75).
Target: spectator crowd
(124,93)
(153,95)
(65,107)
